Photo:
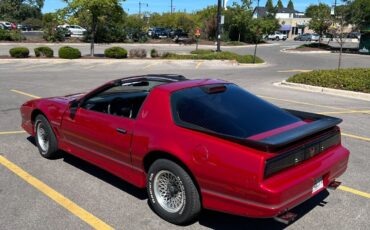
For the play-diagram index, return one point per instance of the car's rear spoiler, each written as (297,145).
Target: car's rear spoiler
(318,123)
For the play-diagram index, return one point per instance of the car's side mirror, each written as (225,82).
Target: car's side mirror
(73,107)
(74,104)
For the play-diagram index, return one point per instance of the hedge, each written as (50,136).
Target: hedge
(68,52)
(354,79)
(116,52)
(19,52)
(44,51)
(211,55)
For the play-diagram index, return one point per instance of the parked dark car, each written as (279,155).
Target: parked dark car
(24,27)
(178,33)
(354,35)
(159,32)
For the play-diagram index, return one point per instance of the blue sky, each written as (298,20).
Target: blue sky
(132,6)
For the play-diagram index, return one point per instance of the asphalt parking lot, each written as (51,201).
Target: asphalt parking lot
(68,193)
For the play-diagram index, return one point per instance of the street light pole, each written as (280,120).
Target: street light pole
(171,6)
(218,34)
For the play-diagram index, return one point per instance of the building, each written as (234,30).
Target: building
(292,22)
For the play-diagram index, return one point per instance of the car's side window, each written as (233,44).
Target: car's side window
(123,100)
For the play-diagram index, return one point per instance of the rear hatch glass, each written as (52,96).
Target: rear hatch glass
(227,109)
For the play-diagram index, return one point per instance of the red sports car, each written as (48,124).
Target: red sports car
(194,144)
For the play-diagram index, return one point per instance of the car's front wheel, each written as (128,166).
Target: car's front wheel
(46,140)
(172,192)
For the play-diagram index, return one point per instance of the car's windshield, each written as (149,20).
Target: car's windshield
(232,111)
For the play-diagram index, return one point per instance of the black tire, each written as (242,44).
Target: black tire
(191,205)
(51,150)
(277,38)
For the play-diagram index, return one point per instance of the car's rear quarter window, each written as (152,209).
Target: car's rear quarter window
(233,111)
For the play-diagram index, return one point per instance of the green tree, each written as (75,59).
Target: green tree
(20,10)
(279,5)
(271,10)
(269,4)
(50,21)
(359,13)
(134,25)
(260,26)
(207,20)
(95,12)
(238,18)
(320,18)
(290,5)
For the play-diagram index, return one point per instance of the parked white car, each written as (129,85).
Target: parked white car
(75,30)
(277,36)
(6,25)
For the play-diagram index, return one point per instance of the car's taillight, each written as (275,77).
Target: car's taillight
(301,153)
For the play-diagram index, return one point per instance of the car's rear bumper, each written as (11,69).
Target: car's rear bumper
(285,190)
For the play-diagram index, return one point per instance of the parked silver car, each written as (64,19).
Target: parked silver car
(307,37)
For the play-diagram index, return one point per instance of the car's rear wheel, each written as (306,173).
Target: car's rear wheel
(46,140)
(277,38)
(172,192)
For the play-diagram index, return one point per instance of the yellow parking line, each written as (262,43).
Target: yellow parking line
(23,93)
(11,132)
(150,65)
(345,112)
(84,215)
(198,65)
(302,103)
(354,191)
(356,137)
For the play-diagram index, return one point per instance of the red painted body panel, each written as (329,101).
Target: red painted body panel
(229,175)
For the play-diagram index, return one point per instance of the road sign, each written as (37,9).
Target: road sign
(197,32)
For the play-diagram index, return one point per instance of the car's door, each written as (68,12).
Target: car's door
(95,133)
(103,135)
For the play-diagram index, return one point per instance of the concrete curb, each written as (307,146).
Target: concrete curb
(324,90)
(127,44)
(304,52)
(59,60)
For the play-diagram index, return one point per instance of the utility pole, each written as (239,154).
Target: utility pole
(140,4)
(171,6)
(257,38)
(218,34)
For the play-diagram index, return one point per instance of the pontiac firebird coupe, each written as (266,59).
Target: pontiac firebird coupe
(194,144)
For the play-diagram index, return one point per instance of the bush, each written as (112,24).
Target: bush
(116,52)
(67,52)
(19,52)
(44,51)
(57,35)
(138,53)
(11,35)
(356,79)
(154,53)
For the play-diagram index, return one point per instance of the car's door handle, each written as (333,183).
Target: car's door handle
(123,131)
